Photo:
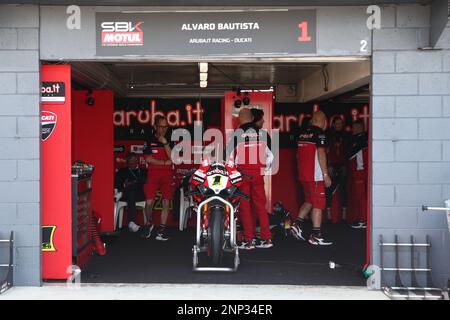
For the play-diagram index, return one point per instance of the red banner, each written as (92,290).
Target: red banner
(56,172)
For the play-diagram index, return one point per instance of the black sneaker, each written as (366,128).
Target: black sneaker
(319,241)
(264,244)
(161,235)
(147,231)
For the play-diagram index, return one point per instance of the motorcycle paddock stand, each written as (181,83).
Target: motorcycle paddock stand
(195,264)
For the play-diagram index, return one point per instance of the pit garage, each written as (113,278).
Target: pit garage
(133,93)
(114,69)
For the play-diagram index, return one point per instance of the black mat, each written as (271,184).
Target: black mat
(131,259)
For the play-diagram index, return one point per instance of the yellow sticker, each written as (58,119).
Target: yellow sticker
(48,233)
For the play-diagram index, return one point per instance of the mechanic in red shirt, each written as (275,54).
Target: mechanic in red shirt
(313,175)
(358,171)
(158,150)
(250,150)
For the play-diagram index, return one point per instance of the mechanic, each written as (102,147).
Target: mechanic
(249,148)
(158,150)
(337,168)
(313,175)
(258,117)
(358,170)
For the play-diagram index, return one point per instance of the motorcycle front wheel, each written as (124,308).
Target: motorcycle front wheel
(217,234)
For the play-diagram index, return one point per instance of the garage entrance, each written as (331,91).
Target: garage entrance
(131,93)
(132,64)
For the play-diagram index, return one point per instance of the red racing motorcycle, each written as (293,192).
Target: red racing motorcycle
(215,190)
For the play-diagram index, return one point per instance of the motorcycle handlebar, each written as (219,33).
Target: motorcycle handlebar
(192,193)
(190,172)
(245,174)
(242,195)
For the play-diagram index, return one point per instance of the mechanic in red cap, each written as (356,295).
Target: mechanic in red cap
(158,150)
(313,175)
(249,149)
(358,165)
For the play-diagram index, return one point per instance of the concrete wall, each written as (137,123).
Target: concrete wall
(20,139)
(411,135)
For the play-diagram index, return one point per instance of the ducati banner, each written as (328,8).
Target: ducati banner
(56,146)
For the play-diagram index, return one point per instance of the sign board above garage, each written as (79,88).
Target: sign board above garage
(206,33)
(133,33)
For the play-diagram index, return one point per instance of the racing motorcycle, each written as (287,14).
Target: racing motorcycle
(215,190)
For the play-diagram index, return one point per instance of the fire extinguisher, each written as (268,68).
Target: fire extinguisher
(99,246)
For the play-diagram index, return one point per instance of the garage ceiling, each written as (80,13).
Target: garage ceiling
(145,79)
(219,75)
(152,79)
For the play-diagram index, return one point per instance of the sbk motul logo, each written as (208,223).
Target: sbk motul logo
(48,124)
(122,34)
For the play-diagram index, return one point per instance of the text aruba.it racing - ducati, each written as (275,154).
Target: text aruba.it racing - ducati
(215,189)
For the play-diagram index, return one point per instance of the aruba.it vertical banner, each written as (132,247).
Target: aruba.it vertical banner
(56,187)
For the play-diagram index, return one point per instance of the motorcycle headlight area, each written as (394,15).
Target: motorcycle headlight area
(203,190)
(231,190)
(217,182)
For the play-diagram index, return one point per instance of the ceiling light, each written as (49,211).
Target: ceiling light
(203,76)
(203,66)
(203,84)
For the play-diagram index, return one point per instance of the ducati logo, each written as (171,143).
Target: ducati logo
(48,124)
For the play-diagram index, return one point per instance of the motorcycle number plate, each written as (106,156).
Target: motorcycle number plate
(217,182)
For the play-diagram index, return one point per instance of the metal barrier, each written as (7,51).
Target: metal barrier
(415,291)
(8,281)
(447,212)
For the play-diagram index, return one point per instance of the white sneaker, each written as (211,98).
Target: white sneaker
(297,232)
(318,241)
(359,225)
(133,227)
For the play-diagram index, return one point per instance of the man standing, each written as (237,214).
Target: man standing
(338,140)
(358,167)
(248,150)
(160,176)
(258,117)
(130,181)
(313,175)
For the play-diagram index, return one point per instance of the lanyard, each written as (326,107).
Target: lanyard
(131,170)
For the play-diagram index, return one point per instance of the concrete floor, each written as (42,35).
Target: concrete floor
(190,292)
